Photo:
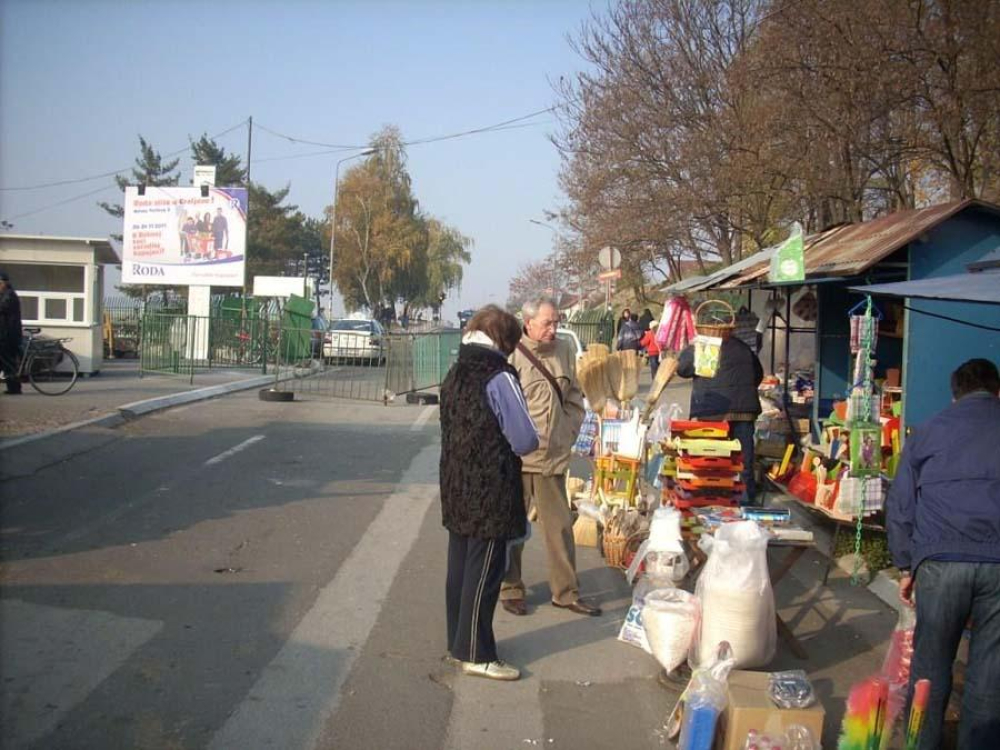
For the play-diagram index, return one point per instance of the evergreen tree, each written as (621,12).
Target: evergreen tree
(229,171)
(150,169)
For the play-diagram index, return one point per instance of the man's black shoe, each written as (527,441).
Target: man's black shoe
(580,607)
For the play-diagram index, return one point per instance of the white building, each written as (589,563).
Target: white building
(59,282)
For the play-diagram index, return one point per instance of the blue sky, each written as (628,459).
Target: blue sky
(79,81)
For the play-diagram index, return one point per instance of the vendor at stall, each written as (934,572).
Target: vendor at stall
(731,396)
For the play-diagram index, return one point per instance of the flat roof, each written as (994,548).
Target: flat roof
(103,248)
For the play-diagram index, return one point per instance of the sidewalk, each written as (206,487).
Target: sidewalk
(109,396)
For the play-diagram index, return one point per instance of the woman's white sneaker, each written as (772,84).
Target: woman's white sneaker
(492,670)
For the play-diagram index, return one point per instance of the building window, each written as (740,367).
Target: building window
(50,294)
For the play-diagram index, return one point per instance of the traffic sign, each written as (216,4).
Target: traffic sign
(609,258)
(609,275)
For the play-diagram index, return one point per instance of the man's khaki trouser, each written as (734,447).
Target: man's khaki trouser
(548,494)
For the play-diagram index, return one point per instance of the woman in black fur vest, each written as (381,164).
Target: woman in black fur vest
(485,427)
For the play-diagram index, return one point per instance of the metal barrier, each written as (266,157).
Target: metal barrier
(366,368)
(594,326)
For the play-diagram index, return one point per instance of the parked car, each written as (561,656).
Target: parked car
(573,339)
(356,340)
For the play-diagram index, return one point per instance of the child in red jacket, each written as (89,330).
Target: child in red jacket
(652,348)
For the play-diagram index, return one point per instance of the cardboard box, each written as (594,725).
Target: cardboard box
(750,708)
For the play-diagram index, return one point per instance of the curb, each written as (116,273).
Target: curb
(136,409)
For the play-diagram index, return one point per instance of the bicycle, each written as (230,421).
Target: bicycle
(51,368)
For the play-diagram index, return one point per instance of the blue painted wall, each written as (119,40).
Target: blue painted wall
(934,347)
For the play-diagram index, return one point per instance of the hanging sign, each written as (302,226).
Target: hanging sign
(609,275)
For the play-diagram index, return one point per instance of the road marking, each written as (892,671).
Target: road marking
(53,658)
(424,417)
(299,690)
(234,450)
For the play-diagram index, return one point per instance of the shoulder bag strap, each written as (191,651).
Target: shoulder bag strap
(542,369)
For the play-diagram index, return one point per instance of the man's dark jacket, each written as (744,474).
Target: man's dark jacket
(481,491)
(10,319)
(733,390)
(945,499)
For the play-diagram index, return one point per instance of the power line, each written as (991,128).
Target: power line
(60,203)
(77,181)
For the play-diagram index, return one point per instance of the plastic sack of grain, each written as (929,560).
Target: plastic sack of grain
(670,618)
(737,602)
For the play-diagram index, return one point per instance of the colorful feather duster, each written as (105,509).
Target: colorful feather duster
(921,694)
(865,717)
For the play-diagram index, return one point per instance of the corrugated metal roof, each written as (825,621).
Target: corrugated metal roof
(850,250)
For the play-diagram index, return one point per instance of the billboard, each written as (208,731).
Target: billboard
(175,235)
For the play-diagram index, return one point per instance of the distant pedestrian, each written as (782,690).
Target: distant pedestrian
(626,316)
(10,334)
(645,319)
(629,335)
(652,348)
(485,427)
(943,513)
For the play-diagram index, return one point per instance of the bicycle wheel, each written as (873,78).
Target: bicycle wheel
(45,375)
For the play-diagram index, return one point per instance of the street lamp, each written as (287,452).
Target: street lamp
(333,212)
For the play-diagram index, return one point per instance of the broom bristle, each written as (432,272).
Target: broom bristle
(598,350)
(592,377)
(613,373)
(629,384)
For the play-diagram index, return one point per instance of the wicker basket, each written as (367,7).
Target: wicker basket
(619,550)
(713,322)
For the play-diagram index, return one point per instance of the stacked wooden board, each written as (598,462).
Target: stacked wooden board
(702,465)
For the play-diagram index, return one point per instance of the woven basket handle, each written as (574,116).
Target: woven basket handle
(722,302)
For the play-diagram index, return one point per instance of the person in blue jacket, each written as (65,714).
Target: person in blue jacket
(485,429)
(943,515)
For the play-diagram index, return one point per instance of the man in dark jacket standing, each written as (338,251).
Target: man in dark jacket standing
(943,516)
(730,396)
(10,333)
(485,427)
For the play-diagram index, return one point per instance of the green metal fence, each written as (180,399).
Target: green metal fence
(594,326)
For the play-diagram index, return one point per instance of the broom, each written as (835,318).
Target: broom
(599,350)
(664,374)
(864,719)
(593,379)
(628,386)
(613,374)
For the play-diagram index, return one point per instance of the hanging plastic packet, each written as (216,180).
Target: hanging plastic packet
(707,352)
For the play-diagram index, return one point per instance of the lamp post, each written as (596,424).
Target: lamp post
(333,212)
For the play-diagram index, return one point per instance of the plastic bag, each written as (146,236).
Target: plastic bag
(670,618)
(737,601)
(633,630)
(697,712)
(707,352)
(896,667)
(791,689)
(796,737)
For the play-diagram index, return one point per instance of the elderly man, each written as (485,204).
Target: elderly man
(943,515)
(546,366)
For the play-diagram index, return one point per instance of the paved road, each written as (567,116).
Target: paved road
(240,574)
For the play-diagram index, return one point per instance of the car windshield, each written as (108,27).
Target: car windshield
(352,325)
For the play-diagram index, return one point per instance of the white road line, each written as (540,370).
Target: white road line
(234,450)
(299,690)
(424,417)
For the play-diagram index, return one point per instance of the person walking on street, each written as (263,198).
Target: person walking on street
(482,498)
(629,335)
(943,516)
(652,348)
(10,334)
(730,396)
(626,316)
(546,365)
(646,319)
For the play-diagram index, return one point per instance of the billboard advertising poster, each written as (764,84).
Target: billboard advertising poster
(174,235)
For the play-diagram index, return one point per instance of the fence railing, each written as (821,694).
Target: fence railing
(594,327)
